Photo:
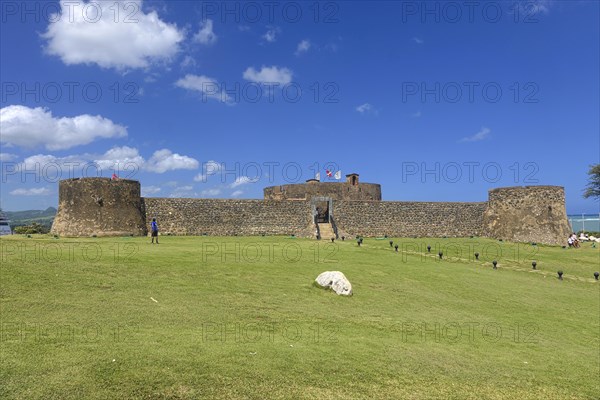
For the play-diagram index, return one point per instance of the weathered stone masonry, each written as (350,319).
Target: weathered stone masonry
(230,217)
(335,190)
(407,219)
(100,206)
(527,214)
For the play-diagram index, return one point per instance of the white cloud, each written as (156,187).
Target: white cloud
(303,47)
(119,158)
(541,5)
(31,192)
(33,127)
(241,180)
(41,164)
(164,160)
(150,190)
(6,157)
(183,191)
(209,87)
(208,168)
(271,34)
(210,192)
(187,62)
(125,159)
(201,177)
(206,35)
(213,165)
(269,75)
(237,193)
(418,40)
(532,8)
(112,34)
(481,135)
(188,191)
(365,108)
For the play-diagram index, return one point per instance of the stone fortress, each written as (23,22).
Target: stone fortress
(105,207)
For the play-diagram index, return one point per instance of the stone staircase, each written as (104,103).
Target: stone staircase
(326,231)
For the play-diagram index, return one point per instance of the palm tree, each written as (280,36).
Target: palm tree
(593,186)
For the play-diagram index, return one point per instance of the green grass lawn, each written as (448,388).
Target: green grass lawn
(240,318)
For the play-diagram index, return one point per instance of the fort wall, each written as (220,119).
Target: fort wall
(408,219)
(220,217)
(104,207)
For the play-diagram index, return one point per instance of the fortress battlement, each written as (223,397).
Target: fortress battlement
(105,207)
(352,189)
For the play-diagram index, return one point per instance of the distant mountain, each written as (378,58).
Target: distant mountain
(20,218)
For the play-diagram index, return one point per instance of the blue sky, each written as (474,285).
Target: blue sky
(436,101)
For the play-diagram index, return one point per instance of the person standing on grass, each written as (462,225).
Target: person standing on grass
(154,230)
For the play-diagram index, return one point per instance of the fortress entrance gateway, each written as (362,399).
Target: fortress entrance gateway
(322,209)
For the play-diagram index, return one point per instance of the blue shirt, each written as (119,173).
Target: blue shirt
(154,226)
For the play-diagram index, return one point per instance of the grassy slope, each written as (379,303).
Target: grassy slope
(42,217)
(416,327)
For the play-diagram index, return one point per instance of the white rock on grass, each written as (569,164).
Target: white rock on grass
(336,281)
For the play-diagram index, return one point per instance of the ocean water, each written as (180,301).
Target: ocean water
(584,222)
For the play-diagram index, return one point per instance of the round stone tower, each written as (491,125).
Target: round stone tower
(527,214)
(99,206)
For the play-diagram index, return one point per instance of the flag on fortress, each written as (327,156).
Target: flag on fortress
(329,173)
(318,176)
(338,175)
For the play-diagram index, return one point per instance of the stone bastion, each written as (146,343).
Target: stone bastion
(105,207)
